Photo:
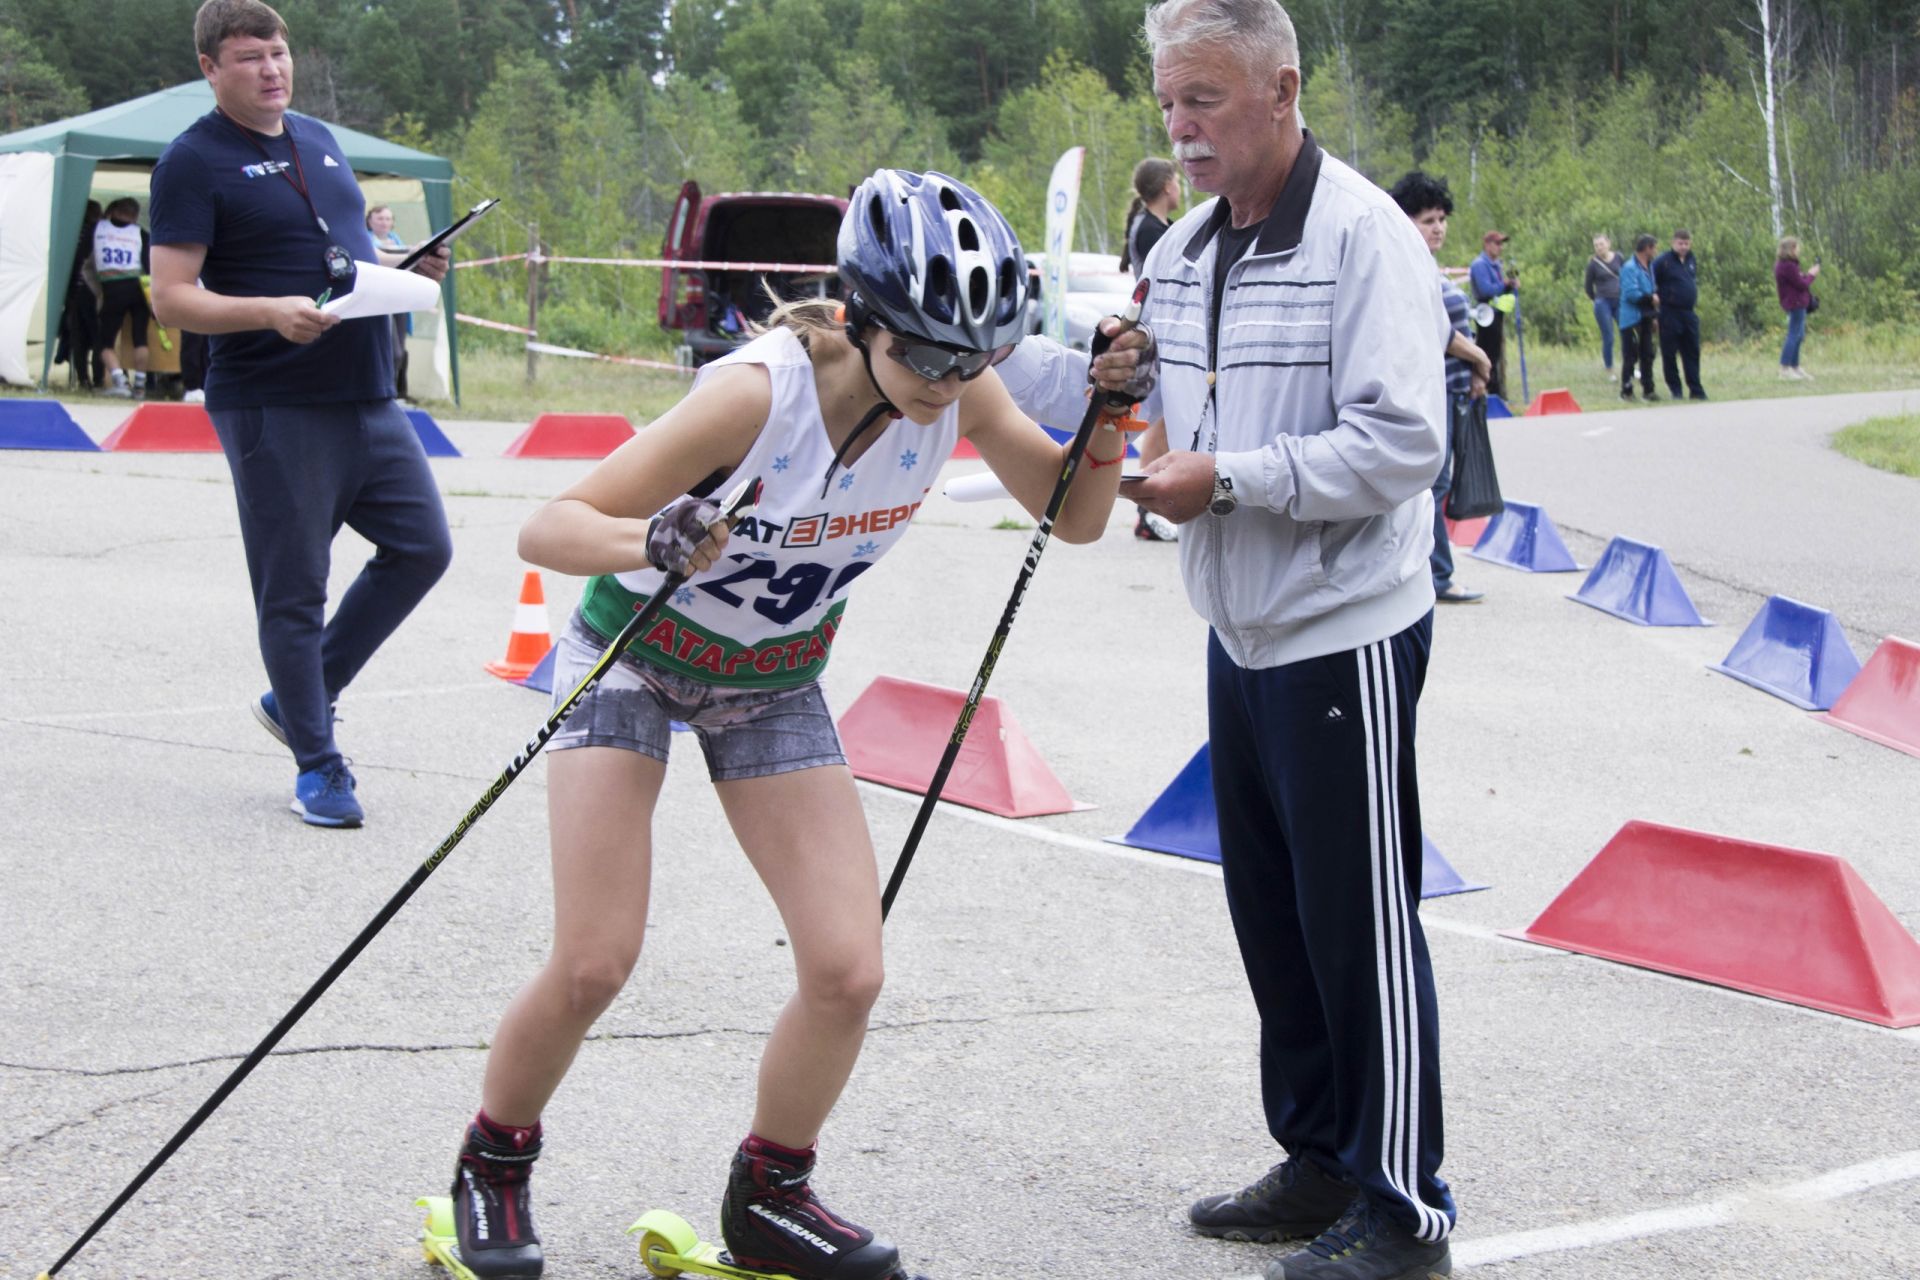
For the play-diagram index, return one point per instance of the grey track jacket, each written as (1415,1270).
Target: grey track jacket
(1327,410)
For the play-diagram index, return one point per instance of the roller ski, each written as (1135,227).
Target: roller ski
(774,1226)
(484,1229)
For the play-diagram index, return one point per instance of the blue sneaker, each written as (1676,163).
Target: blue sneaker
(267,712)
(324,797)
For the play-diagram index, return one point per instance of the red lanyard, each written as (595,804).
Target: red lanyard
(299,184)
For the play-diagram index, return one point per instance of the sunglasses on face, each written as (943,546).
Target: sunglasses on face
(934,361)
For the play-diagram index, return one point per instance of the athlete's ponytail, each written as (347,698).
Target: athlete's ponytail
(1150,177)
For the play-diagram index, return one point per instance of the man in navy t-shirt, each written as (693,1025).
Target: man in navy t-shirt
(255,217)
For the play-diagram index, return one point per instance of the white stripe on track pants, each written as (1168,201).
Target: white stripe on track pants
(1313,778)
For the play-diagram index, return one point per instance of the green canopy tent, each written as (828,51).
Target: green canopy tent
(139,130)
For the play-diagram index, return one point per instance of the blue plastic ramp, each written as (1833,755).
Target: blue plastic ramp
(1636,581)
(1522,537)
(432,438)
(1793,651)
(1181,821)
(41,424)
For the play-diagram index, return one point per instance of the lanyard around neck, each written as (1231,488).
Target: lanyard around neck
(298,184)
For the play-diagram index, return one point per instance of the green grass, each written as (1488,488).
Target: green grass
(1891,444)
(1878,361)
(494,387)
(1008,522)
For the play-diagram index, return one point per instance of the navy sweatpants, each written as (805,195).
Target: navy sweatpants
(1313,777)
(299,473)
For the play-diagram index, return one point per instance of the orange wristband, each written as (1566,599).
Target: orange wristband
(1097,463)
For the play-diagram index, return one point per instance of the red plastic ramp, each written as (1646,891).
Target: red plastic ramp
(896,730)
(571,435)
(1467,533)
(1883,702)
(1783,923)
(164,428)
(1558,400)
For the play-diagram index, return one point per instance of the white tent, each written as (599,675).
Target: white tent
(111,152)
(26,193)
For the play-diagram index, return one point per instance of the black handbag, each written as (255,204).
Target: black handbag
(1813,303)
(1476,486)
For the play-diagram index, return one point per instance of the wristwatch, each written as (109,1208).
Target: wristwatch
(1223,501)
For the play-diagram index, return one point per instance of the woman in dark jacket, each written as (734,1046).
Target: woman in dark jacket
(1796,299)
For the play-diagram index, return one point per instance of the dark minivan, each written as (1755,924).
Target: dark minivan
(783,239)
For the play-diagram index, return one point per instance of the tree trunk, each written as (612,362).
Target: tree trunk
(1769,111)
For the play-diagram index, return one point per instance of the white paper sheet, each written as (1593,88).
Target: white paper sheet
(382,291)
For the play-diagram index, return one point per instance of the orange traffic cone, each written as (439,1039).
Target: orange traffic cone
(530,639)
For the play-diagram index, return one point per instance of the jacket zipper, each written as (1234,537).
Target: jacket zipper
(1217,531)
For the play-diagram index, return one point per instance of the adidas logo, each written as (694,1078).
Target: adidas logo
(332,163)
(1335,715)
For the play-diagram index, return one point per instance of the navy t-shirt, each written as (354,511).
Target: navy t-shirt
(213,186)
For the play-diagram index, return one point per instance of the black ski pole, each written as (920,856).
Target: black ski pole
(737,504)
(1100,405)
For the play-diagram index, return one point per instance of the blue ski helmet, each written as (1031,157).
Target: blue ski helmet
(928,256)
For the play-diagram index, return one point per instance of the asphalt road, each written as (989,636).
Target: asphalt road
(1065,1052)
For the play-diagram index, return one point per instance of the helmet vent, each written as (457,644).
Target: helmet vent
(949,198)
(877,215)
(967,233)
(1007,293)
(939,286)
(979,291)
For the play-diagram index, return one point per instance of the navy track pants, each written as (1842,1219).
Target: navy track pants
(1313,777)
(299,473)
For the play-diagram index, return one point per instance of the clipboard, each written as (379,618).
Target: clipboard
(445,235)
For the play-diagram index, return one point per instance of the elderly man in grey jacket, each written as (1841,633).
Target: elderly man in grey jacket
(1298,326)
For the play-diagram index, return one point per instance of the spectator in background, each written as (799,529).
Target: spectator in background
(1603,287)
(1675,280)
(1489,280)
(1428,202)
(80,322)
(1638,303)
(120,259)
(193,366)
(1796,299)
(1156,197)
(380,223)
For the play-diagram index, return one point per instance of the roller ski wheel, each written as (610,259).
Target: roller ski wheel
(437,1242)
(669,1246)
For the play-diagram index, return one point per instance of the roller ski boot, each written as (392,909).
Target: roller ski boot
(774,1226)
(484,1230)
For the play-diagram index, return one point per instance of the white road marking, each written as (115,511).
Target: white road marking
(181,713)
(1429,919)
(1758,1204)
(1597,431)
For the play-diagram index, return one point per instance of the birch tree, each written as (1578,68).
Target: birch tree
(1774,29)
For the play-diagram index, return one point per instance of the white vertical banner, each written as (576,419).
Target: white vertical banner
(26,215)
(1063,199)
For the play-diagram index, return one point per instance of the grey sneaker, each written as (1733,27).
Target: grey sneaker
(1296,1199)
(1365,1245)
